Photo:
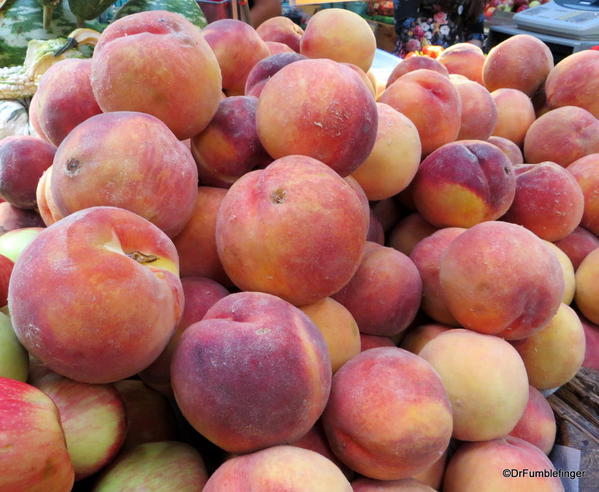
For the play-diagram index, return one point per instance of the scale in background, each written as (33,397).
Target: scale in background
(566,26)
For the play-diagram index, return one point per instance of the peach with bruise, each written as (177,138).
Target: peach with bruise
(409,231)
(368,342)
(265,69)
(295,229)
(409,424)
(464,183)
(479,466)
(574,81)
(229,146)
(403,485)
(520,62)
(166,55)
(481,411)
(562,135)
(578,244)
(567,272)
(275,48)
(500,279)
(586,173)
(321,109)
(464,59)
(537,425)
(64,98)
(127,160)
(126,265)
(515,114)
(281,30)
(431,102)
(417,337)
(384,294)
(587,287)
(376,233)
(255,372)
(509,148)
(548,201)
(479,113)
(340,35)
(427,255)
(415,63)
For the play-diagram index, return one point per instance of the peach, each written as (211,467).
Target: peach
(548,201)
(64,98)
(567,272)
(499,278)
(515,114)
(427,255)
(282,30)
(585,170)
(496,464)
(431,101)
(409,424)
(254,373)
(395,158)
(274,48)
(578,244)
(338,327)
(409,231)
(368,342)
(341,35)
(384,294)
(537,425)
(510,148)
(417,337)
(321,109)
(414,63)
(265,69)
(403,485)
(574,81)
(481,411)
(34,121)
(591,356)
(367,81)
(127,160)
(376,233)
(587,287)
(520,62)
(126,266)
(44,198)
(433,475)
(166,55)
(464,183)
(553,354)
(388,213)
(23,159)
(295,229)
(479,113)
(562,135)
(286,468)
(464,59)
(229,146)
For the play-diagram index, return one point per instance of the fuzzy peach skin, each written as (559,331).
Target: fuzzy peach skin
(384,294)
(321,109)
(417,337)
(586,172)
(262,71)
(340,35)
(479,113)
(562,135)
(548,201)
(34,455)
(414,63)
(287,468)
(431,101)
(574,81)
(395,158)
(403,485)
(515,114)
(520,62)
(368,342)
(200,295)
(128,160)
(464,183)
(229,146)
(388,416)
(509,148)
(587,287)
(295,229)
(480,466)
(338,327)
(499,278)
(427,255)
(481,411)
(282,30)
(537,425)
(167,56)
(578,244)
(554,353)
(64,98)
(567,272)
(408,232)
(154,466)
(255,372)
(110,316)
(93,419)
(464,59)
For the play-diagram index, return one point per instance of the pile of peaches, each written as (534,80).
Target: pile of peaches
(240,237)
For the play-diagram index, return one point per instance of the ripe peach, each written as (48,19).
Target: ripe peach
(537,425)
(591,356)
(479,113)
(414,63)
(376,233)
(578,245)
(587,287)
(417,337)
(265,69)
(275,48)
(510,148)
(515,114)
(465,59)
(282,30)
(368,342)
(408,232)
(567,272)
(388,212)
(585,170)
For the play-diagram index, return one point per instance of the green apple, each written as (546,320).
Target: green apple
(14,361)
(12,243)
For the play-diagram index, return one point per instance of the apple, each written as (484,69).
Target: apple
(12,243)
(14,361)
(6,265)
